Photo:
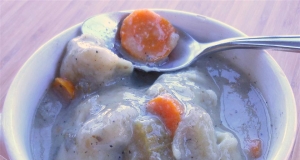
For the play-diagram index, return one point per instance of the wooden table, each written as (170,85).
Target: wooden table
(25,26)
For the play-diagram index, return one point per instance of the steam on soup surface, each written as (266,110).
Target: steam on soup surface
(210,110)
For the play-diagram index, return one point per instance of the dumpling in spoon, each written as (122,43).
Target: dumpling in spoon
(87,61)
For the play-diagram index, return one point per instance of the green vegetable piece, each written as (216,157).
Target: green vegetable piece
(151,140)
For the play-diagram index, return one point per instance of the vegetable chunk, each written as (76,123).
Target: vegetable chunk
(168,108)
(151,140)
(147,36)
(255,148)
(64,87)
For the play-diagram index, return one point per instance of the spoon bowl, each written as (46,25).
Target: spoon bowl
(106,27)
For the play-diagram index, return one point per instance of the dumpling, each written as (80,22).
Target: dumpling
(195,137)
(86,60)
(228,146)
(187,87)
(103,137)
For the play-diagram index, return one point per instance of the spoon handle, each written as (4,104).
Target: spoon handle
(284,43)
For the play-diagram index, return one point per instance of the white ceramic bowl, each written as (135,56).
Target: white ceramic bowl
(36,74)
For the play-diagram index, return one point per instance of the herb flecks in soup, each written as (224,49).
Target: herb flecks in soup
(163,121)
(207,111)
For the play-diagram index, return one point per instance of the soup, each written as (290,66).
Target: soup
(210,110)
(227,108)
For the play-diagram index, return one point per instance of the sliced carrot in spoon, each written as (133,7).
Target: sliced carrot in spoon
(147,36)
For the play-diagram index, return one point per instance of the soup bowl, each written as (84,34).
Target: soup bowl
(38,72)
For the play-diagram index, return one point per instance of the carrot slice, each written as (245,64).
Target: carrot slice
(168,108)
(255,148)
(147,36)
(64,87)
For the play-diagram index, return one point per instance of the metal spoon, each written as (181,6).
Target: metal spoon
(188,50)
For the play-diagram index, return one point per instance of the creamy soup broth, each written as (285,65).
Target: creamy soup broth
(211,85)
